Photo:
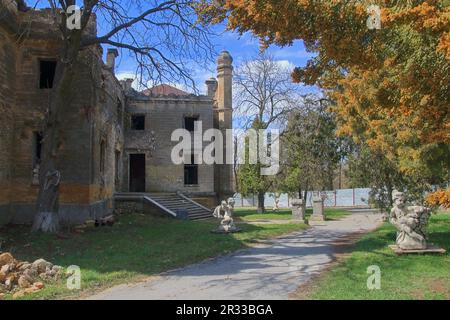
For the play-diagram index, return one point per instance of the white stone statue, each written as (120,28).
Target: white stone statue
(219,211)
(225,212)
(231,203)
(276,205)
(410,222)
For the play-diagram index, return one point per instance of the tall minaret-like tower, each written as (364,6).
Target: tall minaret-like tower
(223,120)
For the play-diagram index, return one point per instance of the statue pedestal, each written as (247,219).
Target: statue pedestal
(226,226)
(318,210)
(429,249)
(298,211)
(225,230)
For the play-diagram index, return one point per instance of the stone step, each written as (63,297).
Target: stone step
(200,217)
(178,204)
(178,201)
(172,202)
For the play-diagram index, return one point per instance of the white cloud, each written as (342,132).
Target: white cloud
(286,64)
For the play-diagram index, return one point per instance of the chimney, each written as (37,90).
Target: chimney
(111,56)
(223,120)
(211,84)
(224,81)
(126,84)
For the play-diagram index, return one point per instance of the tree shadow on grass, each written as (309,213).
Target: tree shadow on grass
(144,245)
(440,238)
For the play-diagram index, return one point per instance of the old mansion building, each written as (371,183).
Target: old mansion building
(117,141)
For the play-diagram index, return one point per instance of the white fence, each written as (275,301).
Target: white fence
(337,198)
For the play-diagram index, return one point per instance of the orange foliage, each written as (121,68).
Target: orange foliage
(390,86)
(440,198)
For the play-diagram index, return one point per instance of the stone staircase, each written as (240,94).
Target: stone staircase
(175,205)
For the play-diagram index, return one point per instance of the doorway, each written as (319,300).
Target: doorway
(137,172)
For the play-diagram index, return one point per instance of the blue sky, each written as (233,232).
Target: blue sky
(241,48)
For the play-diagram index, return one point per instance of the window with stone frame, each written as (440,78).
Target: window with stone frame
(189,123)
(47,70)
(138,122)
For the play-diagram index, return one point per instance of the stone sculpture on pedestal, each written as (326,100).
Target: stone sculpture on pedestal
(410,222)
(225,212)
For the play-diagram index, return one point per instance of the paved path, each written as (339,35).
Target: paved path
(268,271)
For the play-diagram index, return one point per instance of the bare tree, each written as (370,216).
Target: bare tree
(264,95)
(264,92)
(162,36)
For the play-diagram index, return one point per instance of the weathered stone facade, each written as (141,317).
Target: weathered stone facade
(92,116)
(98,138)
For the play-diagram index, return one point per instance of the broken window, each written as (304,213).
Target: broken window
(47,71)
(191,173)
(138,122)
(189,123)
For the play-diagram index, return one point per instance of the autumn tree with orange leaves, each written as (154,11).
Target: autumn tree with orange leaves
(390,86)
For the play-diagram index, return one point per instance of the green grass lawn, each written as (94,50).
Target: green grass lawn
(402,277)
(249,214)
(136,247)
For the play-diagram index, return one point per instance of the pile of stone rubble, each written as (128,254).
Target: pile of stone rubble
(21,277)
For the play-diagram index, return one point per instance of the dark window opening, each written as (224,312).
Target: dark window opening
(102,156)
(47,71)
(191,173)
(138,122)
(189,123)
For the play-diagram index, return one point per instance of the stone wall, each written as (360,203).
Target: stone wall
(107,127)
(85,192)
(8,53)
